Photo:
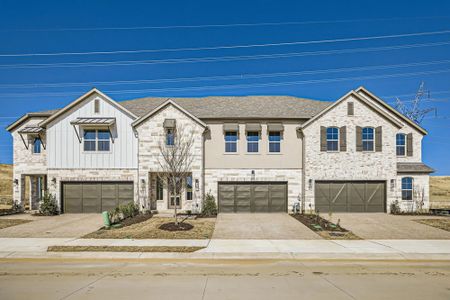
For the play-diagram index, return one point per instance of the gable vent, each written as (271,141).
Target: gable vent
(96,106)
(350,108)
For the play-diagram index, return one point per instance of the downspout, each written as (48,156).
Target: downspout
(136,134)
(203,165)
(302,136)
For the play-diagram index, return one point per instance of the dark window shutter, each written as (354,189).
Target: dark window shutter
(378,139)
(323,138)
(343,138)
(409,144)
(350,109)
(359,146)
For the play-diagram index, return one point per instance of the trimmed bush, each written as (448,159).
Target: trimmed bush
(395,208)
(48,205)
(123,212)
(209,207)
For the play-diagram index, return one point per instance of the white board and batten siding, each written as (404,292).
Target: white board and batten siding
(66,152)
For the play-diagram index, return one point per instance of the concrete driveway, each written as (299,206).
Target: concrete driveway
(261,226)
(381,226)
(62,226)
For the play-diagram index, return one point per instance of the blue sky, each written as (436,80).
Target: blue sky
(318,58)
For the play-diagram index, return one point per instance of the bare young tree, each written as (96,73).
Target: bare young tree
(175,161)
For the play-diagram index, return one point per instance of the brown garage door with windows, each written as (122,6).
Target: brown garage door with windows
(252,197)
(350,196)
(95,197)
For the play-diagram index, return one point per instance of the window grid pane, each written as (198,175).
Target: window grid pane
(407,188)
(332,139)
(367,139)
(37,146)
(252,141)
(274,141)
(230,141)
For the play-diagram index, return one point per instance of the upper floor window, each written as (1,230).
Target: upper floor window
(37,143)
(332,139)
(275,141)
(407,188)
(401,144)
(170,137)
(231,141)
(252,141)
(96,140)
(189,188)
(367,139)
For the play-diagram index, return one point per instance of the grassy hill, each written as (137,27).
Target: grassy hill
(6,182)
(440,191)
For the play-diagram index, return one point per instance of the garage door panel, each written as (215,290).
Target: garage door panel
(252,197)
(350,196)
(109,196)
(125,193)
(95,197)
(74,199)
(226,196)
(260,198)
(243,198)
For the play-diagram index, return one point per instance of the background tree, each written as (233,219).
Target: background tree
(175,161)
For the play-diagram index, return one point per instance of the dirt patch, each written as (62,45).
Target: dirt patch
(122,249)
(326,229)
(150,229)
(443,224)
(4,223)
(174,227)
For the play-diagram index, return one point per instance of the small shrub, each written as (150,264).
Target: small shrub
(123,212)
(395,208)
(48,205)
(209,207)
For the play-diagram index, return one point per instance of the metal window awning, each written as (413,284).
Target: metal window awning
(95,122)
(169,123)
(31,130)
(231,127)
(274,127)
(253,127)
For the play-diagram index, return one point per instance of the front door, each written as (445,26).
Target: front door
(174,200)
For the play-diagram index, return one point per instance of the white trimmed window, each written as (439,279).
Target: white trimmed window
(401,144)
(96,140)
(368,139)
(407,188)
(332,139)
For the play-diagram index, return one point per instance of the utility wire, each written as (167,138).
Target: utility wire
(220,58)
(340,40)
(224,77)
(224,25)
(235,86)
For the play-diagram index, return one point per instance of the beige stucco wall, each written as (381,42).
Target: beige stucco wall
(290,156)
(151,133)
(353,165)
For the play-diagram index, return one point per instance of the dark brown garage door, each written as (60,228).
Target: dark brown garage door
(252,197)
(350,196)
(95,197)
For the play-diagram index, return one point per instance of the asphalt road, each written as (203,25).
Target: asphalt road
(63,279)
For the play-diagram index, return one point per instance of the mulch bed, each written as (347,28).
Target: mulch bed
(325,228)
(136,219)
(173,227)
(122,249)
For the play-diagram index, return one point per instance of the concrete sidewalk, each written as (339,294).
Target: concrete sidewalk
(237,249)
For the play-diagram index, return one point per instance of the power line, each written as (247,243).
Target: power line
(234,86)
(220,58)
(340,40)
(223,25)
(224,77)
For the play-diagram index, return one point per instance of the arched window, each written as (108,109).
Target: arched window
(367,138)
(401,144)
(407,188)
(332,139)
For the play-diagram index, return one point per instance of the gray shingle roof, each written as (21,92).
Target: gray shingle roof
(236,107)
(419,167)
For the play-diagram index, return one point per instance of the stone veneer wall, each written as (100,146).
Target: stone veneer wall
(93,175)
(150,133)
(292,176)
(25,162)
(353,165)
